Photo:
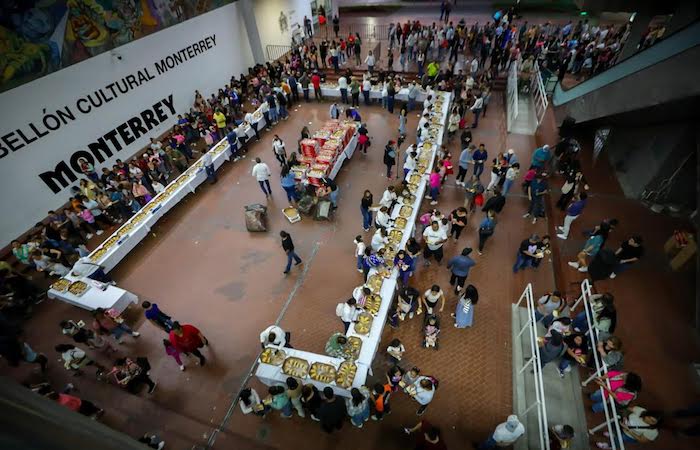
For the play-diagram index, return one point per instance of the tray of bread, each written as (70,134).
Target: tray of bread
(364,323)
(422,168)
(372,304)
(345,374)
(408,198)
(374,282)
(395,236)
(353,347)
(412,188)
(406,211)
(414,178)
(273,356)
(325,373)
(78,288)
(400,223)
(295,367)
(61,285)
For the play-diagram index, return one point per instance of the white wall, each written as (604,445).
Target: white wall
(24,197)
(267,14)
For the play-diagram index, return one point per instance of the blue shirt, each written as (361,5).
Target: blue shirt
(288,180)
(460,265)
(595,242)
(487,223)
(153,313)
(232,138)
(465,158)
(538,186)
(576,208)
(540,157)
(480,156)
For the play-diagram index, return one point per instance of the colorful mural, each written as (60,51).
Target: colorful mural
(38,37)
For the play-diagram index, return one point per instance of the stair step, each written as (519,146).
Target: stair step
(563,397)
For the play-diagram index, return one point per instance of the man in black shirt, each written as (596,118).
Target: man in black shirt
(495,203)
(332,412)
(629,252)
(526,253)
(288,247)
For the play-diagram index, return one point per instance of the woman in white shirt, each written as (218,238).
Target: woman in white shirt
(366,87)
(431,297)
(380,239)
(388,197)
(249,400)
(383,220)
(369,60)
(385,95)
(279,150)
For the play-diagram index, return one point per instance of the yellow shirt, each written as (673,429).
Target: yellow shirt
(220,120)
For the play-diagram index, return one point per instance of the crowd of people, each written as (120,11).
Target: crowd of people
(105,199)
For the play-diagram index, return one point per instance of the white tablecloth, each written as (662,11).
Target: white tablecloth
(110,298)
(272,375)
(374,94)
(347,153)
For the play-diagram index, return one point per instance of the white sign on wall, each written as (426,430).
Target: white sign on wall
(107,108)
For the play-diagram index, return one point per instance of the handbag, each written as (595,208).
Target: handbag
(479,199)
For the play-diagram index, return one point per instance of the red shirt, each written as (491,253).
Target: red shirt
(188,342)
(70,402)
(316,81)
(423,444)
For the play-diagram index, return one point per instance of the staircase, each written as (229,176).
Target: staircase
(562,395)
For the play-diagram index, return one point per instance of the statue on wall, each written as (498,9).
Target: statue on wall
(284,24)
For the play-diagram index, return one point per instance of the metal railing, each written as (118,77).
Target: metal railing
(275,52)
(512,96)
(612,419)
(534,361)
(379,32)
(539,95)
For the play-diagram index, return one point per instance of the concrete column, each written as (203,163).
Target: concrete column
(639,26)
(251,27)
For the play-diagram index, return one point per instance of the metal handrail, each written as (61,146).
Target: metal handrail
(610,408)
(275,52)
(512,96)
(539,94)
(534,361)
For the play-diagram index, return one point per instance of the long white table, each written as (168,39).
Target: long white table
(332,90)
(273,375)
(134,230)
(112,297)
(346,154)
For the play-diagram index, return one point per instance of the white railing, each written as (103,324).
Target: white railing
(534,362)
(512,95)
(539,95)
(612,419)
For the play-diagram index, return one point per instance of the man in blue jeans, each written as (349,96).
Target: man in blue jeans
(526,253)
(479,157)
(288,247)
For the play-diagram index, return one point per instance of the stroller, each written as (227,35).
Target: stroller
(431,330)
